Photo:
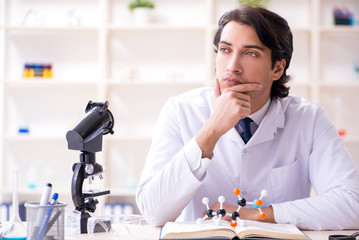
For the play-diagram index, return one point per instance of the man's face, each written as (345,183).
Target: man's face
(242,58)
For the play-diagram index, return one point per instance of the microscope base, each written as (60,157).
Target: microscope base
(98,228)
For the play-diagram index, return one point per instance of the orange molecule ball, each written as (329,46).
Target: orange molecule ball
(233,224)
(236,191)
(259,202)
(262,215)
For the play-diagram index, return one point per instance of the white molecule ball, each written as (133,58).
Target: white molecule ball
(221,199)
(205,200)
(264,193)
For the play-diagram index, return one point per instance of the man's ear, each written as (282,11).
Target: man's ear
(278,69)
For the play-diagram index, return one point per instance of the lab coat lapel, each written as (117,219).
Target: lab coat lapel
(233,135)
(267,130)
(273,120)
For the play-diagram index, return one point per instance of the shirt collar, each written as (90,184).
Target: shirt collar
(258,116)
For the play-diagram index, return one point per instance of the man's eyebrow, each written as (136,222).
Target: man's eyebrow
(254,46)
(244,46)
(225,42)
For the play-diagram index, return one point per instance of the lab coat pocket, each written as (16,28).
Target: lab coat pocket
(285,182)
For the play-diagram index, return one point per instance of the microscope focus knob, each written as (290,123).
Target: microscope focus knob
(89,168)
(90,204)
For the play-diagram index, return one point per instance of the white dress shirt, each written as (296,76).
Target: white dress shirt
(295,147)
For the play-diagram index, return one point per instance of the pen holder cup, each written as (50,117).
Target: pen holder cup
(45,222)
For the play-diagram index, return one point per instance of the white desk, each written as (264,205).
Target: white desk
(314,235)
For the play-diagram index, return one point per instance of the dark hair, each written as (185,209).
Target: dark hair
(272,30)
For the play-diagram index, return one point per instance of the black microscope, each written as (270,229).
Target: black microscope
(86,136)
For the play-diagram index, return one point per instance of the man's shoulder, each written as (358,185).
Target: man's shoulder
(198,96)
(298,103)
(197,93)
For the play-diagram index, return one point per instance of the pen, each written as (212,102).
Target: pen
(46,192)
(43,227)
(52,221)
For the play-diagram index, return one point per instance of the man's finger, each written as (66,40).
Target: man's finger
(217,89)
(246,87)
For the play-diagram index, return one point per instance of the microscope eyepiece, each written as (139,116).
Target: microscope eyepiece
(87,133)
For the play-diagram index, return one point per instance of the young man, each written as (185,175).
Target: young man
(202,147)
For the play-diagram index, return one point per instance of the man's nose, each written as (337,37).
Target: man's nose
(234,65)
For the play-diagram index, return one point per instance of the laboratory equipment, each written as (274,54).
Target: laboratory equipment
(221,212)
(72,224)
(15,229)
(130,227)
(86,136)
(52,222)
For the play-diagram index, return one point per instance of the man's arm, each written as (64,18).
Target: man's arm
(167,179)
(334,178)
(229,107)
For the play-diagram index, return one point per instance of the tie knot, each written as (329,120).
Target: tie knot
(246,128)
(245,124)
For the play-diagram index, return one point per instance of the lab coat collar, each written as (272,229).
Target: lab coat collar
(267,130)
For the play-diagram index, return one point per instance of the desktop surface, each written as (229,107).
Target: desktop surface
(313,235)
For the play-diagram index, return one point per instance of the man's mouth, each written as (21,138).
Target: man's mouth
(231,81)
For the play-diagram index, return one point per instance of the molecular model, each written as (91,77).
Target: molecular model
(221,212)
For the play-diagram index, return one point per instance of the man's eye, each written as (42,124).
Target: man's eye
(223,49)
(252,54)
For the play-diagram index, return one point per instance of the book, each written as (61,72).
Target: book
(246,229)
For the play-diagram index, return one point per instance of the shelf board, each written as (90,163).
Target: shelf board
(128,138)
(35,83)
(66,192)
(115,192)
(300,29)
(352,84)
(31,138)
(34,192)
(27,83)
(162,83)
(339,29)
(46,29)
(156,27)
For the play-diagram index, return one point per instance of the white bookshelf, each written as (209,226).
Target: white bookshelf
(137,68)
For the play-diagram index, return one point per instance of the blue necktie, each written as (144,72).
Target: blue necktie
(245,125)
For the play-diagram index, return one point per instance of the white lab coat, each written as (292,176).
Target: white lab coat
(295,147)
